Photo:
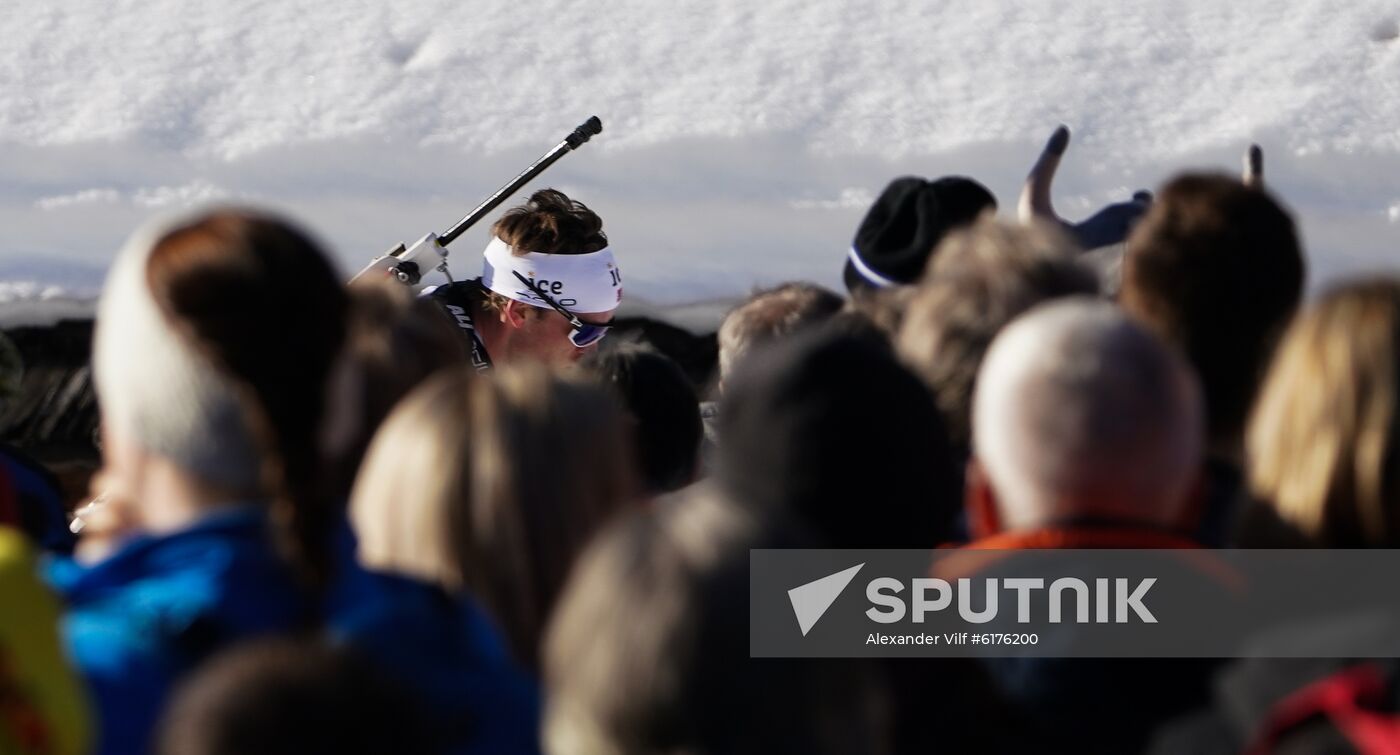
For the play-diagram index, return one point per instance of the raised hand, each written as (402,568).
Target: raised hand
(1254,167)
(1035,200)
(1110,225)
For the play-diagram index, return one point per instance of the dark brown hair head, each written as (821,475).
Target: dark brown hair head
(394,341)
(284,696)
(262,301)
(1216,269)
(551,223)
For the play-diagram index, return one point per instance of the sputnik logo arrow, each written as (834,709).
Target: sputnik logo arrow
(811,600)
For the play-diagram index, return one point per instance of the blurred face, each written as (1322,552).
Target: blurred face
(545,335)
(123,465)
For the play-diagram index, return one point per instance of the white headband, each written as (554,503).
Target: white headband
(868,273)
(156,389)
(581,283)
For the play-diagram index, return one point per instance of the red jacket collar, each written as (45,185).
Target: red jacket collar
(1088,536)
(970,559)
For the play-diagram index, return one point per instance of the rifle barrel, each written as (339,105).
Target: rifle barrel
(574,140)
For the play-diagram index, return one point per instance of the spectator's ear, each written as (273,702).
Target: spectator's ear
(980,501)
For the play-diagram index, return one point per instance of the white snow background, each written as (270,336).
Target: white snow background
(742,140)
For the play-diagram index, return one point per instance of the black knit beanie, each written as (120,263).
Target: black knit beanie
(903,227)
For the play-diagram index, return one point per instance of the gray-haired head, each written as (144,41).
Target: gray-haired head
(1081,413)
(770,315)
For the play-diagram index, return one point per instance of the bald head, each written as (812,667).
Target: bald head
(1081,413)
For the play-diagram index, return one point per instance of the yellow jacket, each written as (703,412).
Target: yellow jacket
(43,707)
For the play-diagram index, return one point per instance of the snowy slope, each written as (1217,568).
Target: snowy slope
(1152,79)
(741,141)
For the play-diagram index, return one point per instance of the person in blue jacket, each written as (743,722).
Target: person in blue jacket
(215,337)
(446,649)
